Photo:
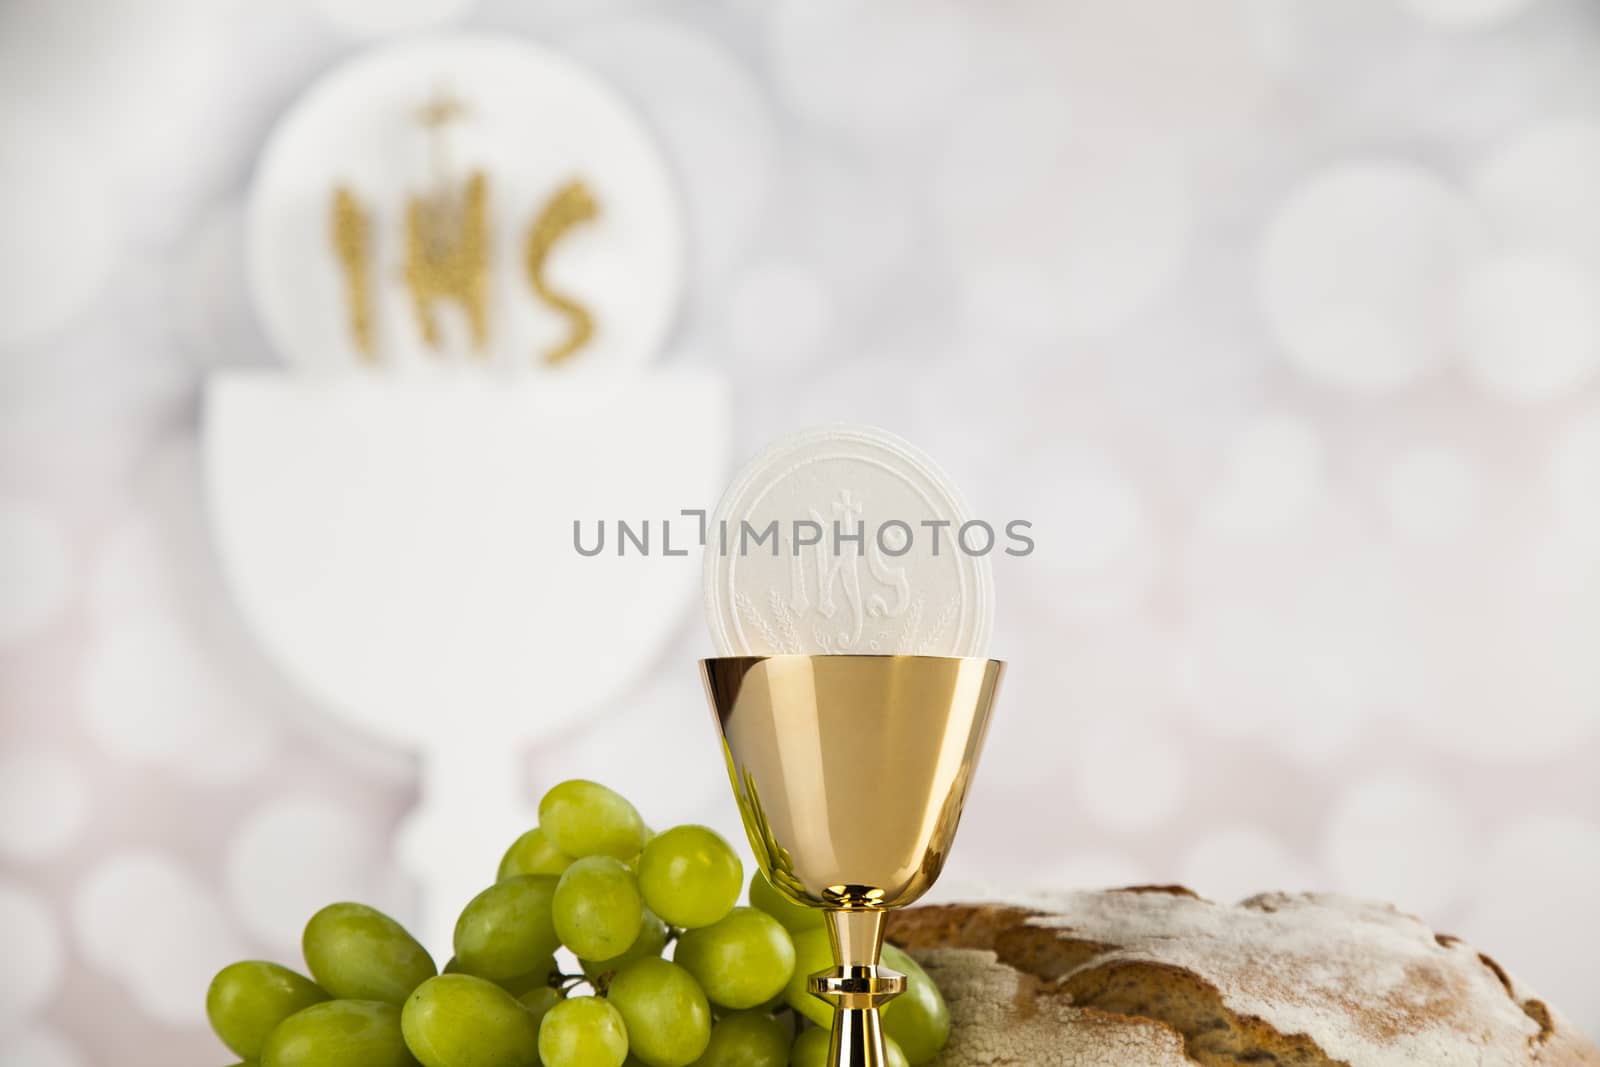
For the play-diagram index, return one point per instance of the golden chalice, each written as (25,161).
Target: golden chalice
(850,773)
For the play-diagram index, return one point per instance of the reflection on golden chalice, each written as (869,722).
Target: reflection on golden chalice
(850,773)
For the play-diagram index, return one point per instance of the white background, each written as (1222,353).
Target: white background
(1280,320)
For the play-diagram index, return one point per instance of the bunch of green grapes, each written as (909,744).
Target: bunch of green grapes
(591,884)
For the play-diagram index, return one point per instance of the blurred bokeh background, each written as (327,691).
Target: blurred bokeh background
(1280,319)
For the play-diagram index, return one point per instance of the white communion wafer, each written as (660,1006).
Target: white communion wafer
(846,539)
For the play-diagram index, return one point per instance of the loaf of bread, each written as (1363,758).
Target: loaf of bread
(1157,977)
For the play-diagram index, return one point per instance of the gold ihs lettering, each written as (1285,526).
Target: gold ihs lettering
(447,257)
(571,206)
(447,248)
(352,234)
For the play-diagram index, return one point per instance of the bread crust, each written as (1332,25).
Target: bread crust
(1158,976)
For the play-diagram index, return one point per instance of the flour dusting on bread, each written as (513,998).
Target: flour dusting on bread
(1159,976)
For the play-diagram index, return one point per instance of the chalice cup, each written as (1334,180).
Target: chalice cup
(851,773)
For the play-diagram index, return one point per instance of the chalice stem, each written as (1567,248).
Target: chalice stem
(857,988)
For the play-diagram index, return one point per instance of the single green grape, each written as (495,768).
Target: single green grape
(532,853)
(810,1048)
(747,1039)
(339,1033)
(742,960)
(583,818)
(583,1032)
(794,917)
(812,953)
(359,953)
(246,1000)
(597,909)
(918,1019)
(507,931)
(651,940)
(540,1000)
(668,1018)
(690,876)
(456,1020)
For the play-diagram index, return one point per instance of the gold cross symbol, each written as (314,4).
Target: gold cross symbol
(442,110)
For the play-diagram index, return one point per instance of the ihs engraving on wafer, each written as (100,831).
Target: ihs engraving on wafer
(844,539)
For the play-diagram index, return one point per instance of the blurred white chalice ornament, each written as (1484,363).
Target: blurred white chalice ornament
(470,338)
(405,552)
